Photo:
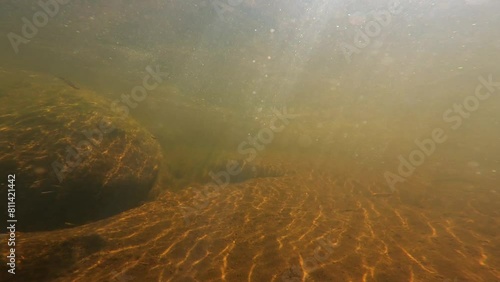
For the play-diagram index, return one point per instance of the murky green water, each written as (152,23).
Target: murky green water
(300,141)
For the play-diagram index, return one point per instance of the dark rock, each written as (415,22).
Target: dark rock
(70,166)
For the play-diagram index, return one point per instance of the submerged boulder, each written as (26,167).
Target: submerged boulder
(75,159)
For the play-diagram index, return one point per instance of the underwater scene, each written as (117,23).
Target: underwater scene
(250,140)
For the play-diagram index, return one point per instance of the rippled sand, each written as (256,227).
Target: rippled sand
(304,226)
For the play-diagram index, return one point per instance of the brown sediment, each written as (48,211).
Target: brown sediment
(306,226)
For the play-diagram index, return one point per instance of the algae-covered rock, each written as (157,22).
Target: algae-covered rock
(74,158)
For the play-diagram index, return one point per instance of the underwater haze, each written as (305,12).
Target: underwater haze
(250,140)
